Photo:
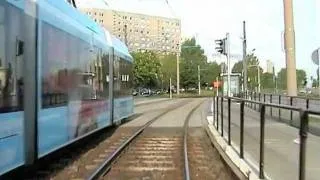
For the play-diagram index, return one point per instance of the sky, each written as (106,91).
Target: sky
(208,20)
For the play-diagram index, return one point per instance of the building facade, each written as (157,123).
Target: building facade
(270,66)
(140,31)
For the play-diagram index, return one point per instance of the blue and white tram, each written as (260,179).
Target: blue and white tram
(62,77)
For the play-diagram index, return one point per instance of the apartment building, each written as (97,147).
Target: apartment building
(140,31)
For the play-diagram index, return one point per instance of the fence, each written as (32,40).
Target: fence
(289,116)
(303,128)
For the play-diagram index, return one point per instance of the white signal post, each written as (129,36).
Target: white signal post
(228,62)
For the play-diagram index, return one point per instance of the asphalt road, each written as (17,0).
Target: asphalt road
(281,152)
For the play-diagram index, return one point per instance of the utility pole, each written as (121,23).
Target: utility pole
(178,73)
(228,62)
(289,37)
(199,86)
(244,65)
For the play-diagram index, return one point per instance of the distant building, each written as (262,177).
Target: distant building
(270,66)
(139,31)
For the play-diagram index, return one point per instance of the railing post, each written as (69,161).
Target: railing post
(271,106)
(255,99)
(307,103)
(259,97)
(229,121)
(241,128)
(222,116)
(251,100)
(217,127)
(213,109)
(291,113)
(279,108)
(262,124)
(264,98)
(303,143)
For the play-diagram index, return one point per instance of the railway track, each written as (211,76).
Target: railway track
(143,153)
(165,153)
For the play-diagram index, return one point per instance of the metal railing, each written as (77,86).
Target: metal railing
(303,131)
(309,103)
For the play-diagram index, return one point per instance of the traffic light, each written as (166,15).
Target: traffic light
(221,46)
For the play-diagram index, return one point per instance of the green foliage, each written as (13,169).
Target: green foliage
(154,70)
(210,72)
(191,56)
(168,69)
(252,70)
(282,78)
(147,69)
(267,81)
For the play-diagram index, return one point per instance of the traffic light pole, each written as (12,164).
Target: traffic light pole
(228,62)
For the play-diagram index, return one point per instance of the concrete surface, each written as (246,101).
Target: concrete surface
(177,117)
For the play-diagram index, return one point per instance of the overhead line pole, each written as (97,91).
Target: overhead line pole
(290,48)
(244,46)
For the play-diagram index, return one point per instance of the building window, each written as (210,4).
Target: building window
(130,18)
(147,32)
(119,29)
(141,32)
(130,30)
(95,13)
(119,36)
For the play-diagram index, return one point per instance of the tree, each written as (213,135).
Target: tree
(210,72)
(191,56)
(252,71)
(168,69)
(147,70)
(282,78)
(267,81)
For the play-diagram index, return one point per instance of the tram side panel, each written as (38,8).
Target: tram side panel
(74,94)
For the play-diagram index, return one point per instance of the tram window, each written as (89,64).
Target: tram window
(11,64)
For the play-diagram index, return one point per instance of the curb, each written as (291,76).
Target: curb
(239,166)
